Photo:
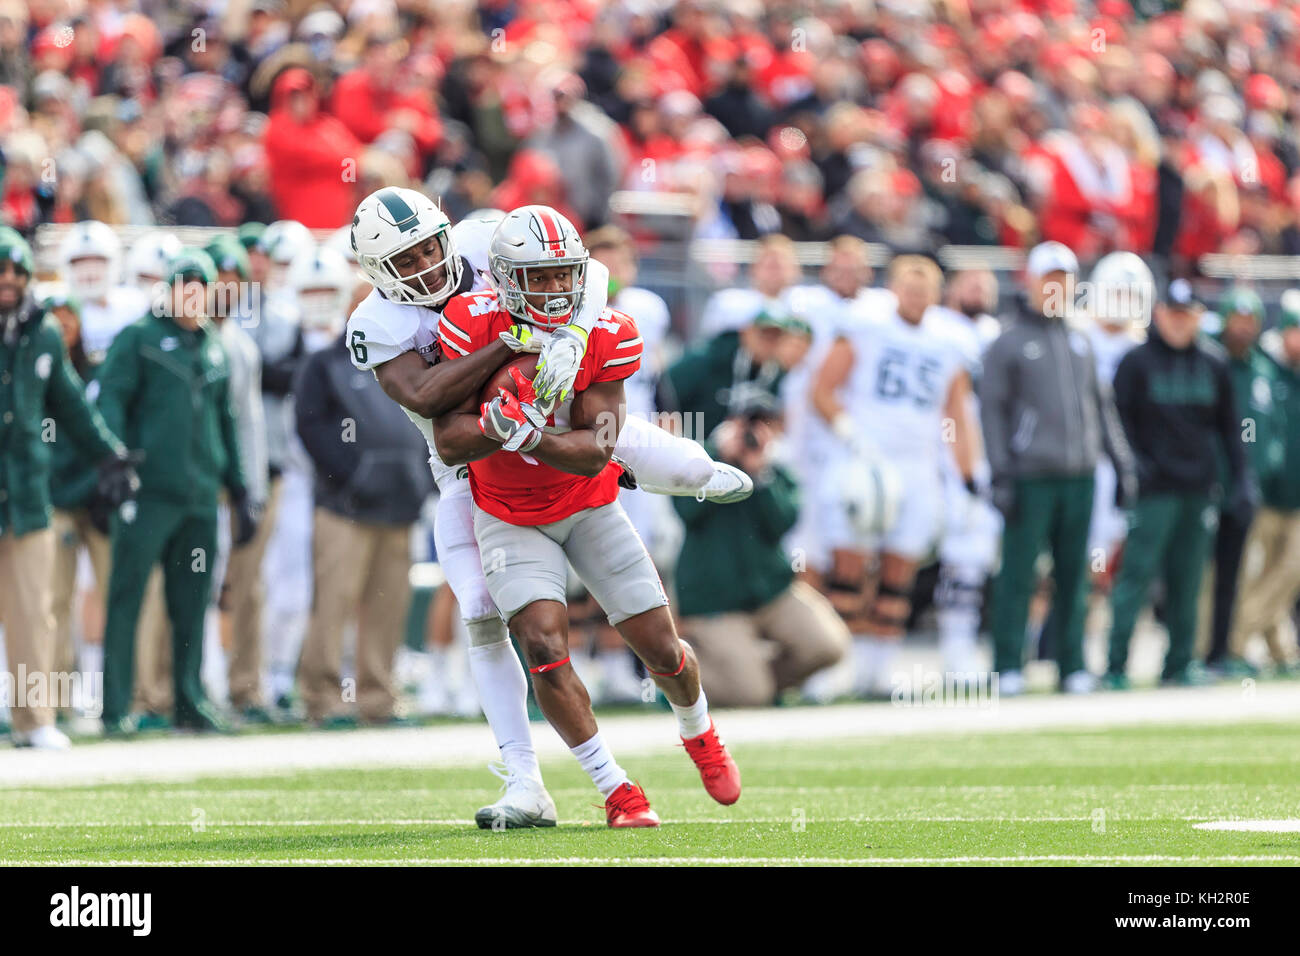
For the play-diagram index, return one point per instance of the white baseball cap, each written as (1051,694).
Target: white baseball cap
(1049,257)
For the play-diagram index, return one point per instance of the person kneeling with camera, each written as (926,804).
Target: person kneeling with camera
(755,629)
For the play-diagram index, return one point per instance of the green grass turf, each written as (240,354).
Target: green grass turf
(1107,798)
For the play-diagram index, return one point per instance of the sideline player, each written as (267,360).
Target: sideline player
(545,490)
(417,262)
(902,385)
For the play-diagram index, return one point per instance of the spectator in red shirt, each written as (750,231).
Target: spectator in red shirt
(534,179)
(307,152)
(374,98)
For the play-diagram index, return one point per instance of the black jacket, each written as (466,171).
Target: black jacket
(371,463)
(1179,414)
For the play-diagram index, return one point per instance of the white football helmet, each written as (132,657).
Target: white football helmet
(284,241)
(148,258)
(90,259)
(533,237)
(1123,289)
(485,214)
(320,280)
(390,221)
(870,492)
(341,242)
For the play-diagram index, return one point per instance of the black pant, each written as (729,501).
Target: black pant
(1229,544)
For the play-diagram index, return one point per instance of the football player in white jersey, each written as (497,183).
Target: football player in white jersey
(148,258)
(968,550)
(774,270)
(840,303)
(407,247)
(1121,295)
(901,385)
(90,262)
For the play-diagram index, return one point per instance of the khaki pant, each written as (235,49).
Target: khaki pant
(1270,583)
(361,571)
(153,651)
(27,612)
(747,659)
(72,531)
(242,597)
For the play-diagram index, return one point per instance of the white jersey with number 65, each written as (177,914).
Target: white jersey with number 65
(902,374)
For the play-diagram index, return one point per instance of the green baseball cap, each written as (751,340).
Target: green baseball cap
(249,233)
(1290,302)
(16,249)
(192,264)
(776,315)
(1244,301)
(229,255)
(62,300)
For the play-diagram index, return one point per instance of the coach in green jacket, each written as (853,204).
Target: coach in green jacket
(1269,589)
(165,386)
(41,401)
(1175,398)
(1262,431)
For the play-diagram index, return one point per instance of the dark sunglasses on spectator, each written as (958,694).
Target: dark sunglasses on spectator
(8,265)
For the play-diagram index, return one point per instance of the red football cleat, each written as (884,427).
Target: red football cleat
(628,807)
(719,772)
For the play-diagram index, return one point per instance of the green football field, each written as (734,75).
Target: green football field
(1110,797)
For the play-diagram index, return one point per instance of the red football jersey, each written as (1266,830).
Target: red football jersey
(515,486)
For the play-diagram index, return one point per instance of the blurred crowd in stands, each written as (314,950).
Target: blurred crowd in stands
(1161,128)
(1073,129)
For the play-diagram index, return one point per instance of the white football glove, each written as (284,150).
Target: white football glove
(522,337)
(561,360)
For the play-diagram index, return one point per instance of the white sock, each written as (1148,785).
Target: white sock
(503,695)
(91,659)
(594,757)
(693,719)
(90,663)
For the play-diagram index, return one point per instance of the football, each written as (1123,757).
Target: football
(527,363)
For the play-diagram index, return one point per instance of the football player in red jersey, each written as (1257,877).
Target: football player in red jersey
(545,494)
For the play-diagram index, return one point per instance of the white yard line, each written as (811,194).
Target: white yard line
(190,758)
(1253,826)
(658,861)
(691,821)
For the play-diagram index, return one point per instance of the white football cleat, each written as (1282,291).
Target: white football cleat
(1080,682)
(728,485)
(47,737)
(1011,683)
(525,803)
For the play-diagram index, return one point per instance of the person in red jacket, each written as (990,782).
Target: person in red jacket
(534,179)
(378,96)
(308,152)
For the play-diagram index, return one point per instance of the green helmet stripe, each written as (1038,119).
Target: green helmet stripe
(404,216)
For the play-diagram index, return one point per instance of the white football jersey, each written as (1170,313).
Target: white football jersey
(901,377)
(652,320)
(1108,347)
(729,310)
(100,322)
(828,315)
(380,330)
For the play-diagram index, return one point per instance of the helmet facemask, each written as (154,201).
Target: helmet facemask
(546,310)
(90,277)
(413,288)
(322,308)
